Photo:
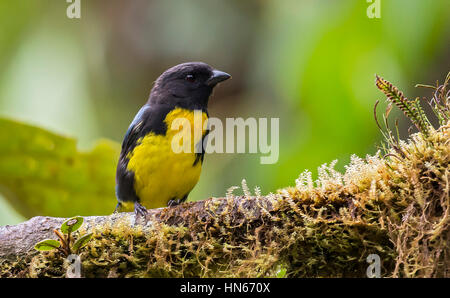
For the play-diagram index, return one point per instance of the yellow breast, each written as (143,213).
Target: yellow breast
(160,174)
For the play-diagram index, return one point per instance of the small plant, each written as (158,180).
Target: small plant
(412,109)
(245,189)
(440,102)
(66,244)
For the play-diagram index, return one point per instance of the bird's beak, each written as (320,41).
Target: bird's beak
(217,77)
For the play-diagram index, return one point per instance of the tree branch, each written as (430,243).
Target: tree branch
(394,206)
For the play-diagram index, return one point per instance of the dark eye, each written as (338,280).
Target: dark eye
(190,78)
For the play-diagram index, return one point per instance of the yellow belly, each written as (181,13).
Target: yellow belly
(160,174)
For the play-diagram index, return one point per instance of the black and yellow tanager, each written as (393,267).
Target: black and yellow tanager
(150,174)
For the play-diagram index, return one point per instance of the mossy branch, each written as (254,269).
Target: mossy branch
(396,207)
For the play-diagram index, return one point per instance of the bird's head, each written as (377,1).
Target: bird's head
(187,85)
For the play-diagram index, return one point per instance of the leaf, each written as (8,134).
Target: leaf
(42,173)
(80,243)
(47,244)
(281,273)
(72,224)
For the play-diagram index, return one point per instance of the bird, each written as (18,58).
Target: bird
(150,174)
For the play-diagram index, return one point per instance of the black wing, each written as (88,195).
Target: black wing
(147,120)
(124,178)
(135,130)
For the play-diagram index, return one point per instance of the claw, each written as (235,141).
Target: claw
(173,203)
(140,210)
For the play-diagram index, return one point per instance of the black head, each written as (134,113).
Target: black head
(187,85)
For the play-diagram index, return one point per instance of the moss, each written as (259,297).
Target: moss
(16,268)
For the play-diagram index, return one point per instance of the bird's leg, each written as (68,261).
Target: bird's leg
(175,202)
(118,206)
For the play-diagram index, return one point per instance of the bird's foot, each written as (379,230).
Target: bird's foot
(117,210)
(139,211)
(173,203)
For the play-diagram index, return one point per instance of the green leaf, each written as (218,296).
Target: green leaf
(42,173)
(81,242)
(281,273)
(47,244)
(72,224)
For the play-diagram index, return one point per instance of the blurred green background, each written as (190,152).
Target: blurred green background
(310,63)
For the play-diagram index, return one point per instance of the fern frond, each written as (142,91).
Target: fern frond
(411,109)
(422,118)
